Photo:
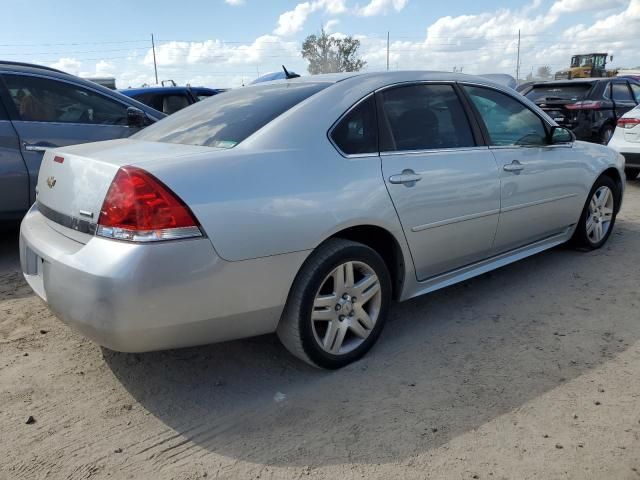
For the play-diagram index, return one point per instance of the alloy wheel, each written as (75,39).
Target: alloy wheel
(346,307)
(600,214)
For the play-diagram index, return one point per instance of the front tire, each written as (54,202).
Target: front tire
(337,305)
(598,215)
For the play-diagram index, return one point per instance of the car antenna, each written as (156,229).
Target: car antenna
(288,75)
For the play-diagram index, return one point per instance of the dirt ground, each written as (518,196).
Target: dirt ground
(531,371)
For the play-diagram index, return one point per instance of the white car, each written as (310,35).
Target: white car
(626,140)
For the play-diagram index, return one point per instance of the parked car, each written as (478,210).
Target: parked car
(590,107)
(169,100)
(42,108)
(303,207)
(626,140)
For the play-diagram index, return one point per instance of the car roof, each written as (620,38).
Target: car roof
(176,89)
(30,68)
(390,77)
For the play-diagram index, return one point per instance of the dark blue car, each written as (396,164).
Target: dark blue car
(169,100)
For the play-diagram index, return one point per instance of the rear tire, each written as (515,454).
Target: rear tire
(631,173)
(337,305)
(605,134)
(598,215)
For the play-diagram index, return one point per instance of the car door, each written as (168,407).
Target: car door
(541,185)
(443,183)
(622,96)
(49,112)
(14,180)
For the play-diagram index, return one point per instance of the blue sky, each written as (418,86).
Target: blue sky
(225,42)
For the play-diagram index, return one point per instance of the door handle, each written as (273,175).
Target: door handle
(514,166)
(407,177)
(35,148)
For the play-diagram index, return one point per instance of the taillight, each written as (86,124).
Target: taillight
(628,122)
(140,208)
(584,105)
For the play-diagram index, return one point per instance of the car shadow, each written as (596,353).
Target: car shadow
(12,284)
(446,363)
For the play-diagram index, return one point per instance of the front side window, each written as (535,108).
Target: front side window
(620,92)
(357,132)
(423,117)
(226,120)
(508,121)
(39,99)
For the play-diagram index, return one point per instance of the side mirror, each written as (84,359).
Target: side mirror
(136,118)
(560,135)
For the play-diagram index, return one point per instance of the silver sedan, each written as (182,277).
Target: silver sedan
(305,207)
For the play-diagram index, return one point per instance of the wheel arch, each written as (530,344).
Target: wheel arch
(386,245)
(614,175)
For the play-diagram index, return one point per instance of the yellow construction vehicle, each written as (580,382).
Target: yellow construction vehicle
(587,66)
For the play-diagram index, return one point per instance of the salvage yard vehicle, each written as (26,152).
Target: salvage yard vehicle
(626,140)
(590,65)
(589,107)
(41,108)
(303,207)
(169,100)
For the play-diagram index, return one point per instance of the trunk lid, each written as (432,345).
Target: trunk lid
(73,181)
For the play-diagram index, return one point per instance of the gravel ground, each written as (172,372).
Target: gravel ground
(531,371)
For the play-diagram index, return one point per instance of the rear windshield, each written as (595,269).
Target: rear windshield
(225,120)
(572,92)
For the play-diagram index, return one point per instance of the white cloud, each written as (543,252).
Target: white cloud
(329,26)
(69,65)
(380,7)
(572,6)
(292,21)
(220,54)
(234,3)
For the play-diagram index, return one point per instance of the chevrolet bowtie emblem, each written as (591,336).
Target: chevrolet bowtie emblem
(51,182)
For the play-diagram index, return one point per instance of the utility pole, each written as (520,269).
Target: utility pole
(155,67)
(518,59)
(387,51)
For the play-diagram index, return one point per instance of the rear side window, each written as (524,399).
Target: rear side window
(508,121)
(357,132)
(636,92)
(38,99)
(549,92)
(423,117)
(621,92)
(226,120)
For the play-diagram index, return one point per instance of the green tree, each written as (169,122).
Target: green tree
(544,72)
(327,54)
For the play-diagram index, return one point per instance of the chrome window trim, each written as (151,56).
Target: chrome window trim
(337,122)
(429,151)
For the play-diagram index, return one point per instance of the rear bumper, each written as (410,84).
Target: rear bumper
(134,298)
(630,151)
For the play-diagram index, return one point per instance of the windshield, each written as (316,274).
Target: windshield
(225,120)
(550,92)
